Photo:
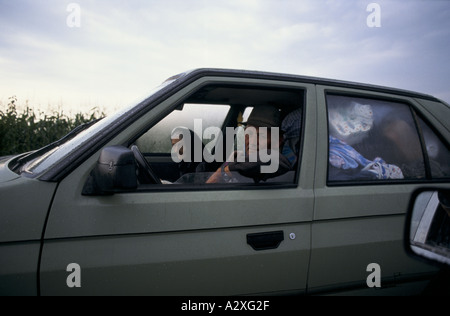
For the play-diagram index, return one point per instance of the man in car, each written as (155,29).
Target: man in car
(240,167)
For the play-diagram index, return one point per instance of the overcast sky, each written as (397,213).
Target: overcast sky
(122,49)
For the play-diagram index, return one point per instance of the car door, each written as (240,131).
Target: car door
(168,240)
(359,210)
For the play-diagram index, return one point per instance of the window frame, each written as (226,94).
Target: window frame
(419,116)
(281,87)
(416,114)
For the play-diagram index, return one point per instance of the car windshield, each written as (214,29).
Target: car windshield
(61,149)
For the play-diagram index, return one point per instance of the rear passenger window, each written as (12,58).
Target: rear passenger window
(373,140)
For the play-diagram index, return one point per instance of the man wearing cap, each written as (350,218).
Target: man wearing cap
(261,130)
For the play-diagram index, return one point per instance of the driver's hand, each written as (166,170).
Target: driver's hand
(253,169)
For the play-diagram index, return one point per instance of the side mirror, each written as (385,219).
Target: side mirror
(115,172)
(427,231)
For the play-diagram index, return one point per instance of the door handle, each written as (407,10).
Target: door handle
(265,241)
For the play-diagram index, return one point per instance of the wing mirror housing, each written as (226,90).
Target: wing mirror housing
(114,172)
(427,229)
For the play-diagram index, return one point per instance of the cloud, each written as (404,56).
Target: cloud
(124,48)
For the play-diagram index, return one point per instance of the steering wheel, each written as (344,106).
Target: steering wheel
(145,172)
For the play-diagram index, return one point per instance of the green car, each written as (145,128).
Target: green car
(118,208)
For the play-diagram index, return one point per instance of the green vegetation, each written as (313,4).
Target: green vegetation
(27,131)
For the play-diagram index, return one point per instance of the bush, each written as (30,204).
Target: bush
(27,131)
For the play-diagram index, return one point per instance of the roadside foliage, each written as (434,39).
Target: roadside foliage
(26,130)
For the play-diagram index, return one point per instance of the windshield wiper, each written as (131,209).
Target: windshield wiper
(37,153)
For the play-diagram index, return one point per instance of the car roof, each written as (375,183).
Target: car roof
(252,74)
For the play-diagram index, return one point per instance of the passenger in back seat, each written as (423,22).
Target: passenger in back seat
(291,128)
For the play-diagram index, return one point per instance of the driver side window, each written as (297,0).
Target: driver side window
(210,142)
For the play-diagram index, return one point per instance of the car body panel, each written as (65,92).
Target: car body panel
(19,263)
(208,262)
(6,174)
(25,203)
(24,206)
(342,250)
